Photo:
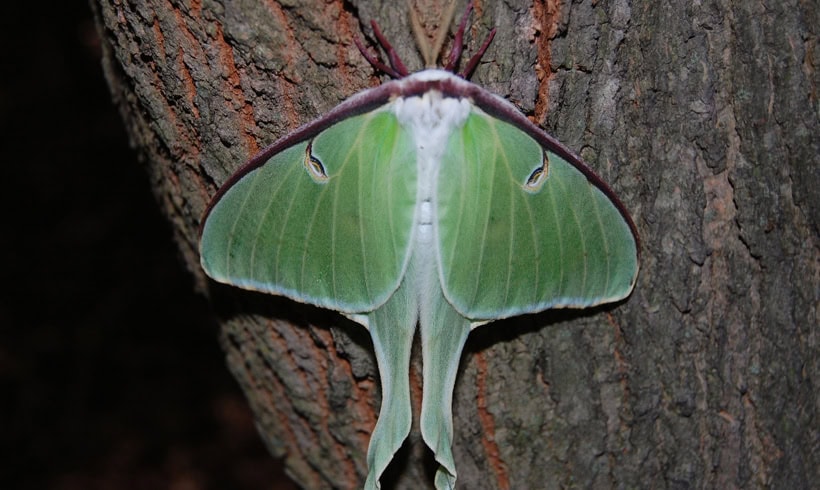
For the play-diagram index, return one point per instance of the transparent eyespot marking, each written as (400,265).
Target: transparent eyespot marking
(314,166)
(538,176)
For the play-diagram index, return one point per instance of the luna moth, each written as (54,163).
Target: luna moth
(429,202)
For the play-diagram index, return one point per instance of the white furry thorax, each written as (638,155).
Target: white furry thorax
(431,118)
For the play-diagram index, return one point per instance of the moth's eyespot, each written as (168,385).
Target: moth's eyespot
(538,176)
(314,166)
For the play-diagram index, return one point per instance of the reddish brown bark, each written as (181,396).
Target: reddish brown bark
(704,118)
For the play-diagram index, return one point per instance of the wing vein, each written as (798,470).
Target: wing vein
(560,240)
(484,233)
(232,235)
(360,189)
(604,238)
(511,224)
(265,216)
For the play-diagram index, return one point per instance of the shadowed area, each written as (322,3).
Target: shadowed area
(110,368)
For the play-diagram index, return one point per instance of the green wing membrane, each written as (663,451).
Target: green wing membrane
(518,230)
(521,230)
(326,221)
(330,221)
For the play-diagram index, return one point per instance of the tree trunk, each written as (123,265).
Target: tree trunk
(704,118)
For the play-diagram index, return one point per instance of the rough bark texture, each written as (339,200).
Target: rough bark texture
(703,116)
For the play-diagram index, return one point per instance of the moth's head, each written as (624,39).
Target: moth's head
(396,68)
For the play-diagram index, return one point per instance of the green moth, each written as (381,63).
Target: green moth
(429,202)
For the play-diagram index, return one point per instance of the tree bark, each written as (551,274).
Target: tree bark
(704,118)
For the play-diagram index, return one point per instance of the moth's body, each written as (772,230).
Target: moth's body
(425,202)
(430,118)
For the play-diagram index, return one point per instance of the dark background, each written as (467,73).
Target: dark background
(111,375)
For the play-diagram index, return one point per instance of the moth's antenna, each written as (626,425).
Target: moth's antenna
(444,28)
(421,37)
(397,68)
(458,40)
